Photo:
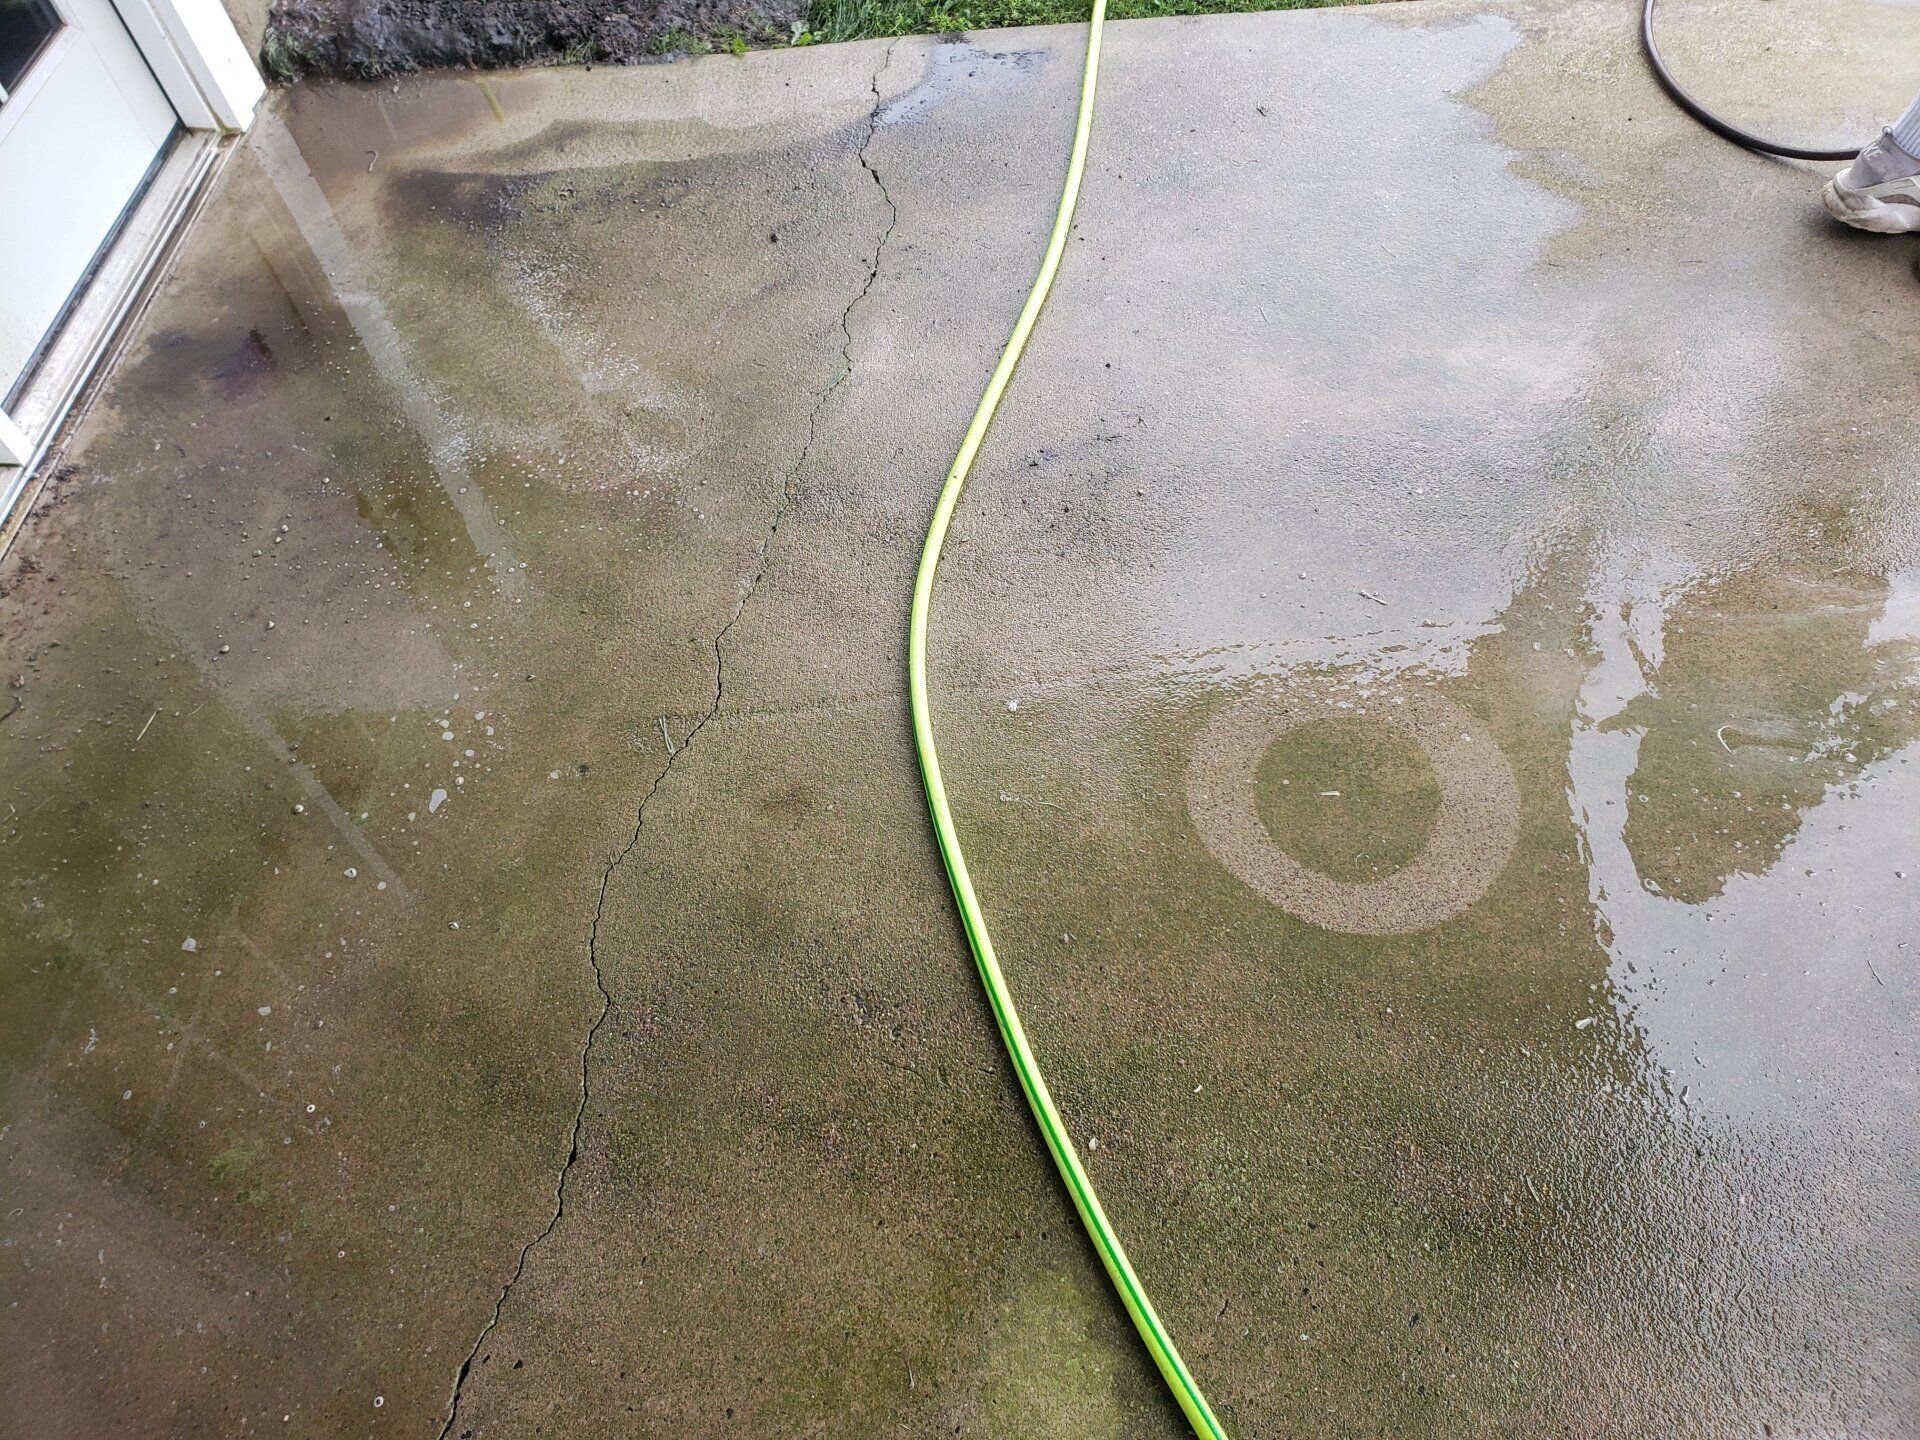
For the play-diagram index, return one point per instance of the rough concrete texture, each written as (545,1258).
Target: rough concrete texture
(475,962)
(365,39)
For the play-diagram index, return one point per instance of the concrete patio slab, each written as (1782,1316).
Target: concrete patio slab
(1427,668)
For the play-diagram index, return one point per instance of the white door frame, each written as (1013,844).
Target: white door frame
(199,60)
(14,448)
(212,83)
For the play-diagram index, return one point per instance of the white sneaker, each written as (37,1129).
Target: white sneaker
(1880,191)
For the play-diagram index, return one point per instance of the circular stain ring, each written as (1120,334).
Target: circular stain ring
(1473,833)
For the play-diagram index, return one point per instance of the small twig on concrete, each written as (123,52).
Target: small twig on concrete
(1373,597)
(146,727)
(666,737)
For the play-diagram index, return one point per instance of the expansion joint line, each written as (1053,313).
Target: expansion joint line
(1185,1390)
(762,560)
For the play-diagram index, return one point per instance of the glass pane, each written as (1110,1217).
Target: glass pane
(25,26)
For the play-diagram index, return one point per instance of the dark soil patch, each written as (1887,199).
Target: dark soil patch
(366,39)
(370,38)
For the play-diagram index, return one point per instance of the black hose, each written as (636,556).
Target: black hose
(1746,139)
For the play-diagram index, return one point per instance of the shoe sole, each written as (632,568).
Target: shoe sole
(1867,212)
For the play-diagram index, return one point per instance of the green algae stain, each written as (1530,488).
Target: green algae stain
(1050,1366)
(237,1168)
(1349,798)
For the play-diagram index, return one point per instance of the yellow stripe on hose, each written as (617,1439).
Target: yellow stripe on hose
(1159,1343)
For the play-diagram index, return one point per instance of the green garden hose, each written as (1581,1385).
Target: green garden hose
(1099,1229)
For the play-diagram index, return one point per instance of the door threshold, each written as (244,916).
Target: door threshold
(91,334)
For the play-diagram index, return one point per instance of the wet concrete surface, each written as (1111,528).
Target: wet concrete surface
(475,961)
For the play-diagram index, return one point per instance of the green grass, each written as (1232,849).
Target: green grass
(283,55)
(830,20)
(680,42)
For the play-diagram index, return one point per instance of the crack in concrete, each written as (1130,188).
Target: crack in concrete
(763,561)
